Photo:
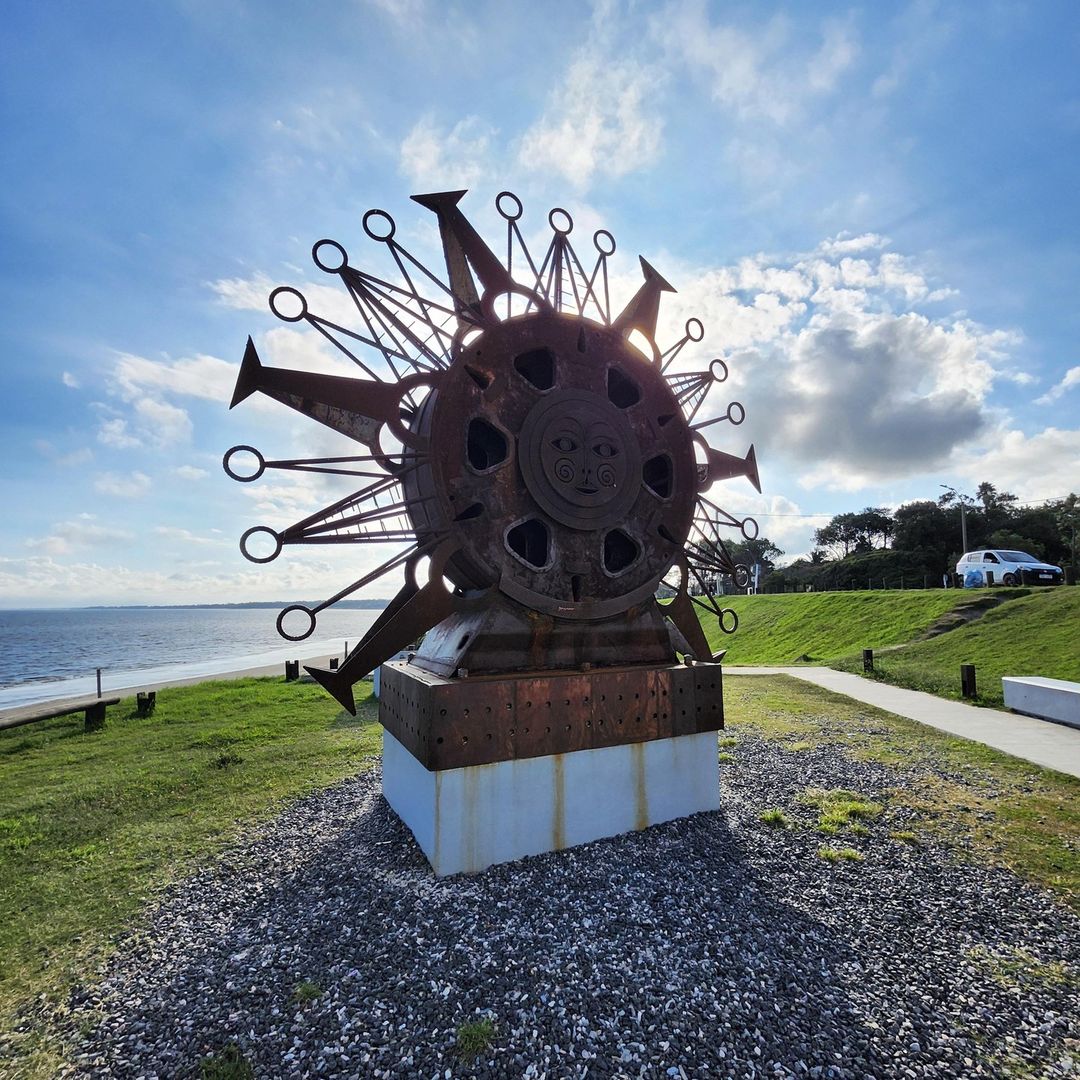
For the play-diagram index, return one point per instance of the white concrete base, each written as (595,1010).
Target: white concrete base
(1048,699)
(467,819)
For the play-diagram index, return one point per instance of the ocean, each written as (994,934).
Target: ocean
(55,653)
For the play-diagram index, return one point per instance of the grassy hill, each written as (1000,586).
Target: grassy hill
(1001,632)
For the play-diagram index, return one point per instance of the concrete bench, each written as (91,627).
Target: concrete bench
(1047,699)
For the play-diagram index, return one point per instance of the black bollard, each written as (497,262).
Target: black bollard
(292,670)
(967,681)
(868,659)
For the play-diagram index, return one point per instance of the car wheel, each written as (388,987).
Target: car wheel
(1009,579)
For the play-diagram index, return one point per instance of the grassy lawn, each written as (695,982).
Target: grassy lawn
(92,824)
(990,807)
(1030,632)
(782,628)
(1033,635)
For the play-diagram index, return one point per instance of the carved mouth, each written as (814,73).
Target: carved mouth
(586,490)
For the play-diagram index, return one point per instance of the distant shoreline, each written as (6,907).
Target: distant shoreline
(355,605)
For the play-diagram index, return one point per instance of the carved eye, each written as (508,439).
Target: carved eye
(564,444)
(604,450)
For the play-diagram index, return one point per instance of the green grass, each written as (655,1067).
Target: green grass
(987,806)
(1029,632)
(844,854)
(305,992)
(781,628)
(840,811)
(474,1037)
(92,824)
(1032,635)
(775,817)
(229,1064)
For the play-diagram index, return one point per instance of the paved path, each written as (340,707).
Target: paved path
(1043,742)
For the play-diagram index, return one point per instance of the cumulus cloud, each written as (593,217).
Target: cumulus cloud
(145,386)
(71,459)
(81,531)
(70,380)
(1045,465)
(186,536)
(1071,379)
(844,379)
(132,486)
(190,472)
(451,157)
(601,120)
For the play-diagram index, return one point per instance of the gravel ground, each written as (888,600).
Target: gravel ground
(715,946)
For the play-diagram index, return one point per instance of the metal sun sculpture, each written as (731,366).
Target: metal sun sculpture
(535,455)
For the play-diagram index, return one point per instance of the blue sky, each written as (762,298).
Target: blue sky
(873,209)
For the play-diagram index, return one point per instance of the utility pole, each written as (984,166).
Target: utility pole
(962,500)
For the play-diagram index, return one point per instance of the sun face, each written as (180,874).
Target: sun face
(516,441)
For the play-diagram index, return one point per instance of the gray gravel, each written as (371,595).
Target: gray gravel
(715,946)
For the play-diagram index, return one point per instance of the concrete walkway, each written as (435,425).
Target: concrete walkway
(1056,746)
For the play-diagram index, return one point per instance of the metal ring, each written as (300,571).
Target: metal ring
(734,620)
(712,370)
(565,214)
(736,409)
(517,202)
(296,637)
(596,241)
(255,558)
(321,263)
(293,292)
(235,475)
(741,575)
(372,233)
(749,534)
(700,329)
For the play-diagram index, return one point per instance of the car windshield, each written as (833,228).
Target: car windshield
(1016,556)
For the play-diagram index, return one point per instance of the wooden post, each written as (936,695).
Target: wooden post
(99,682)
(95,716)
(292,670)
(868,659)
(967,681)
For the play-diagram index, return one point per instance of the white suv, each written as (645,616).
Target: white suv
(1002,567)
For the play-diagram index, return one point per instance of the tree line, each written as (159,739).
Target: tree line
(920,542)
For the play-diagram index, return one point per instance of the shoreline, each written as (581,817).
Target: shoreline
(17,712)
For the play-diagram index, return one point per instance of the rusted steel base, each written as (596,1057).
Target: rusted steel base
(454,723)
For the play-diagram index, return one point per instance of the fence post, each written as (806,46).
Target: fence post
(868,659)
(99,682)
(967,681)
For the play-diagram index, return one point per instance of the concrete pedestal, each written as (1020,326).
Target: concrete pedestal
(470,818)
(1047,699)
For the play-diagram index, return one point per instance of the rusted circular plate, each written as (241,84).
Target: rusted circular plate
(565,468)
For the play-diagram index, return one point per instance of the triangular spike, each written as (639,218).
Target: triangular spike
(464,248)
(644,308)
(247,382)
(724,466)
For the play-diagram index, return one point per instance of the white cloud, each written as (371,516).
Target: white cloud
(190,472)
(201,376)
(132,486)
(244,294)
(83,531)
(70,380)
(431,156)
(114,432)
(174,532)
(1045,465)
(601,120)
(1070,379)
(69,460)
(757,74)
(844,381)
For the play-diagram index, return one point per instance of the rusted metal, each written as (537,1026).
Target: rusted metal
(453,723)
(536,452)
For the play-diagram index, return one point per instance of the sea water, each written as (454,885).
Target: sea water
(55,653)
